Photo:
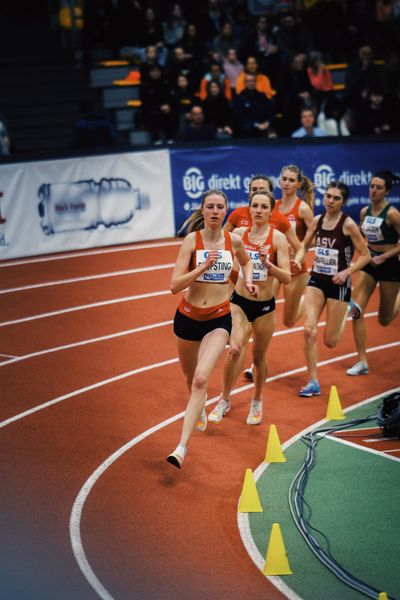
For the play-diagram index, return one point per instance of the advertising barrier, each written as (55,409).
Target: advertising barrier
(68,204)
(230,168)
(59,205)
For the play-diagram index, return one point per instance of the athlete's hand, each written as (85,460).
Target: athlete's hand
(253,289)
(263,253)
(379,259)
(295,265)
(340,278)
(211,259)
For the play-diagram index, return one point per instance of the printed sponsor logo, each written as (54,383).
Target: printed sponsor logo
(323,175)
(213,276)
(193,183)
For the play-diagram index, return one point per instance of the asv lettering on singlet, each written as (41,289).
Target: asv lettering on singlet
(219,272)
(326,260)
(371,228)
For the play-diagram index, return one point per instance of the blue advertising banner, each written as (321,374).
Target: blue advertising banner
(230,169)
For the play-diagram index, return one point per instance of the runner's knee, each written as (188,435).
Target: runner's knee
(199,380)
(310,332)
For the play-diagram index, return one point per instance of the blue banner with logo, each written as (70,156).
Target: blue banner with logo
(230,169)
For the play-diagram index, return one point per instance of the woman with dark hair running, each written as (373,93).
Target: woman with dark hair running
(202,323)
(335,235)
(268,250)
(380,224)
(299,212)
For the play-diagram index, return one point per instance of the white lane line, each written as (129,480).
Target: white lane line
(85,342)
(171,361)
(381,453)
(8,355)
(92,305)
(35,286)
(131,332)
(83,390)
(110,250)
(77,509)
(243,518)
(63,311)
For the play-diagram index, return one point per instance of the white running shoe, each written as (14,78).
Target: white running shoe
(177,457)
(255,413)
(201,424)
(360,368)
(219,411)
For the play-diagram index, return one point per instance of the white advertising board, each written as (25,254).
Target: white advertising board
(68,204)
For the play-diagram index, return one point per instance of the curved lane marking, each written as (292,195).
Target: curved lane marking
(171,361)
(243,518)
(76,513)
(110,336)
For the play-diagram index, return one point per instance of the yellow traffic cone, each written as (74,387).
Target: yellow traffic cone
(276,561)
(249,500)
(383,596)
(334,411)
(274,452)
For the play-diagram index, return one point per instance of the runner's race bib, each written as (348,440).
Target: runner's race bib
(221,269)
(326,261)
(371,228)
(260,273)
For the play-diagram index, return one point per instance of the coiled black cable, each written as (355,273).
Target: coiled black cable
(298,504)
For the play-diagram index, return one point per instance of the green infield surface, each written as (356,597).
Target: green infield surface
(353,492)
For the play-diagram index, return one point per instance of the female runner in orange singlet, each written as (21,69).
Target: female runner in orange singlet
(268,250)
(300,214)
(203,321)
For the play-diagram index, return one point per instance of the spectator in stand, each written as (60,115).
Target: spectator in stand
(156,112)
(217,110)
(212,21)
(333,118)
(232,67)
(263,83)
(308,128)
(151,33)
(292,37)
(198,130)
(215,74)
(294,92)
(174,26)
(178,63)
(260,42)
(320,77)
(223,42)
(93,129)
(183,99)
(361,75)
(252,111)
(150,59)
(195,51)
(376,117)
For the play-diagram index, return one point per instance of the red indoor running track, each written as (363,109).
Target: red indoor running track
(92,400)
